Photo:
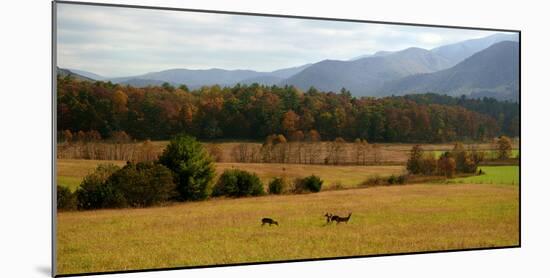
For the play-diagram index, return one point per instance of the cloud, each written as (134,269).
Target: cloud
(114,41)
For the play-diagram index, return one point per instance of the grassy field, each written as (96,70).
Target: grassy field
(491,154)
(71,171)
(221,231)
(332,176)
(493,175)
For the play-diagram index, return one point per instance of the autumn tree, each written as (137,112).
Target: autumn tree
(120,137)
(242,153)
(296,145)
(446,165)
(414,163)
(291,122)
(67,136)
(255,111)
(336,151)
(504,145)
(312,146)
(376,153)
(120,102)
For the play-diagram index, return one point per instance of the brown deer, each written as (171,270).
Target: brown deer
(269,221)
(339,219)
(329,217)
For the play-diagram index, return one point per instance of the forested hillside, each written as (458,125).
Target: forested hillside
(254,112)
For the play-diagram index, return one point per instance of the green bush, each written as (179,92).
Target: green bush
(192,167)
(312,184)
(143,184)
(278,186)
(66,200)
(392,179)
(94,193)
(238,183)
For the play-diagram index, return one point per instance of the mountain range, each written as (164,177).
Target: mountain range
(476,68)
(492,72)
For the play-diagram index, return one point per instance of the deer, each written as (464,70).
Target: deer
(269,221)
(339,219)
(329,217)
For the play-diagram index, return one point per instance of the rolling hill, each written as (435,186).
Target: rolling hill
(65,72)
(457,52)
(364,76)
(491,72)
(198,78)
(382,73)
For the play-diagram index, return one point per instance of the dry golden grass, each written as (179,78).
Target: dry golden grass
(385,220)
(71,171)
(332,176)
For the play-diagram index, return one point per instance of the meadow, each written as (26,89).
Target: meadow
(489,154)
(507,175)
(384,220)
(70,172)
(460,213)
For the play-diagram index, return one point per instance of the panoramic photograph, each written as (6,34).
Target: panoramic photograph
(196,139)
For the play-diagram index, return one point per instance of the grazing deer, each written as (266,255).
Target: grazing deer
(339,219)
(269,221)
(329,217)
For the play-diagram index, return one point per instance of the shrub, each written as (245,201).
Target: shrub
(375,180)
(278,186)
(428,164)
(446,165)
(94,193)
(402,179)
(238,183)
(312,184)
(504,145)
(415,160)
(192,166)
(459,154)
(469,165)
(392,179)
(66,200)
(143,184)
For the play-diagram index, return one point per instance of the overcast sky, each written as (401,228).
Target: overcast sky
(113,41)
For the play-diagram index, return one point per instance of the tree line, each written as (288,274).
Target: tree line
(184,172)
(254,112)
(457,161)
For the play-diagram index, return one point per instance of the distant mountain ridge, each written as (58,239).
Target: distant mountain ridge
(87,74)
(198,78)
(366,75)
(457,52)
(65,72)
(492,72)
